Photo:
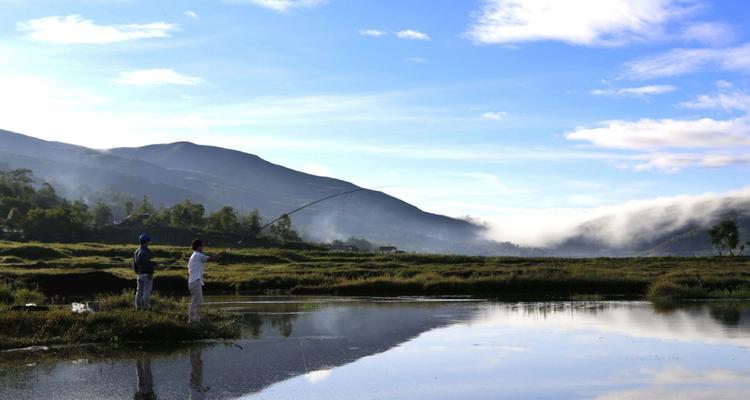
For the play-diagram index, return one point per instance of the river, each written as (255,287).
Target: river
(416,348)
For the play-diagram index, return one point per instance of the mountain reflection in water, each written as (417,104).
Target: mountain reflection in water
(317,348)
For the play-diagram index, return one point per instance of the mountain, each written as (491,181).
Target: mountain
(214,176)
(677,227)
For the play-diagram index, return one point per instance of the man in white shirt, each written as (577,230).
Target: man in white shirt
(195,279)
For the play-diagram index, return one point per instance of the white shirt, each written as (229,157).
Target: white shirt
(195,266)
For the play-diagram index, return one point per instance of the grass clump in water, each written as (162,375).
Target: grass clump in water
(670,291)
(116,323)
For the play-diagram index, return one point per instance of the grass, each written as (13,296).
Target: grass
(116,323)
(10,295)
(81,269)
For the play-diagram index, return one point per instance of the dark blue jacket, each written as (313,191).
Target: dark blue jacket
(142,263)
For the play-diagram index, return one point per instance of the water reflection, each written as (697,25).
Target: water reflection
(197,390)
(144,379)
(374,349)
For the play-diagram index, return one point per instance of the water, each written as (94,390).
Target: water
(318,348)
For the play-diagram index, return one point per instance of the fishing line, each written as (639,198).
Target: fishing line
(305,206)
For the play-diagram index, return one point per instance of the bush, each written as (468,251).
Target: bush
(10,295)
(26,296)
(6,294)
(666,290)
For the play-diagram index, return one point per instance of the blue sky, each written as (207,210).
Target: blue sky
(503,110)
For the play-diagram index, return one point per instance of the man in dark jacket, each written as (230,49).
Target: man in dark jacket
(144,267)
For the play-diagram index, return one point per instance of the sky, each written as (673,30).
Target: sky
(516,113)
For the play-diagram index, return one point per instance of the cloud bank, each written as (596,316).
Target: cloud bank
(617,226)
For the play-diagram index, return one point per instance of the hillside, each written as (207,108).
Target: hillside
(214,176)
(677,228)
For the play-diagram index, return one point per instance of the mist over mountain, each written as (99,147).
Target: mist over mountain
(215,176)
(671,226)
(169,173)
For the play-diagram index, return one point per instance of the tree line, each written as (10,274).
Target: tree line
(38,213)
(725,238)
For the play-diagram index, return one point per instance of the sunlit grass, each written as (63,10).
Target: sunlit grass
(320,272)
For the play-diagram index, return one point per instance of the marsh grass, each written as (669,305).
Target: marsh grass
(116,323)
(95,268)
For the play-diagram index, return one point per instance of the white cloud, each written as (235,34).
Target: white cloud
(412,35)
(634,91)
(674,162)
(372,32)
(156,76)
(494,116)
(190,14)
(727,101)
(73,29)
(653,134)
(722,84)
(417,60)
(712,33)
(685,61)
(712,143)
(579,22)
(283,5)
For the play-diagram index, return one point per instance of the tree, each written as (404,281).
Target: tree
(102,214)
(46,197)
(15,219)
(282,230)
(223,220)
(128,208)
(187,214)
(725,237)
(55,224)
(250,224)
(145,208)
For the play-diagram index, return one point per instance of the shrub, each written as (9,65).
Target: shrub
(666,290)
(6,294)
(25,296)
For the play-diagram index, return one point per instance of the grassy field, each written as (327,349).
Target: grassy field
(65,271)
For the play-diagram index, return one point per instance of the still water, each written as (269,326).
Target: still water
(358,348)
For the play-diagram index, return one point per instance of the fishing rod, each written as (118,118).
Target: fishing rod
(308,205)
(302,208)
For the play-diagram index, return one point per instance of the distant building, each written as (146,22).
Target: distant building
(388,249)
